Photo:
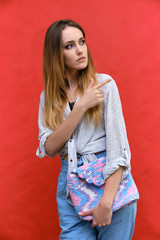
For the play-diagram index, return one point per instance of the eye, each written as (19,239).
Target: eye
(69,46)
(82,42)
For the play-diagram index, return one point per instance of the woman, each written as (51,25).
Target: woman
(80,118)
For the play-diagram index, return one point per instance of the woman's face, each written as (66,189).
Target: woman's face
(74,49)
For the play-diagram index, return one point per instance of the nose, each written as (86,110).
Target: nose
(79,49)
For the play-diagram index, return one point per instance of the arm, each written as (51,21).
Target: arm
(54,140)
(61,135)
(102,214)
(118,155)
(117,146)
(111,187)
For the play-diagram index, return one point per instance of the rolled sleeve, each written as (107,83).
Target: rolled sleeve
(117,146)
(43,131)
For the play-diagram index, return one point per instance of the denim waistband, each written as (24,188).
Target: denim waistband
(80,162)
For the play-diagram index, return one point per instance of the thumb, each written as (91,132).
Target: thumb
(86,213)
(91,84)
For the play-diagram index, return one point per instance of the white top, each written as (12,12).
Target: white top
(109,136)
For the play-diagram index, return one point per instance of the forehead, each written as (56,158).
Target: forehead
(71,34)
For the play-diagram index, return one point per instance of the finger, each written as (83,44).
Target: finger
(86,213)
(99,94)
(100,91)
(93,225)
(100,100)
(102,83)
(91,83)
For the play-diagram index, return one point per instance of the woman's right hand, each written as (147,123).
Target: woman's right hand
(93,95)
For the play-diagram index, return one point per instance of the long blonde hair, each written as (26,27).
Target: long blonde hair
(55,79)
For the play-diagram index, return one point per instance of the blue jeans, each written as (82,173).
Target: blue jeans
(74,228)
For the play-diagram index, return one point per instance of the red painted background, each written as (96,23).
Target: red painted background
(124,39)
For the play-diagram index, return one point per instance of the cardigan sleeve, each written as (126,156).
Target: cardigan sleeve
(117,146)
(43,131)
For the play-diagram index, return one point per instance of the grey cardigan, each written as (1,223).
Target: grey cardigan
(109,136)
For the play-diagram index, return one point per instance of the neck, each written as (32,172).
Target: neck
(72,89)
(72,78)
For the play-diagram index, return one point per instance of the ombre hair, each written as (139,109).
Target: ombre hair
(55,79)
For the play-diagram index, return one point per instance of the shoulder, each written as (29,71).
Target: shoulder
(111,86)
(102,76)
(42,97)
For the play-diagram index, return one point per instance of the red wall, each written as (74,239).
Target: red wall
(124,38)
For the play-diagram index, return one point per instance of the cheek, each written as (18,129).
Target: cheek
(68,59)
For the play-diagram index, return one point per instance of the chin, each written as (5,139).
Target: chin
(83,66)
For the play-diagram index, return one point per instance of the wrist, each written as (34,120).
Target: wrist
(81,107)
(106,204)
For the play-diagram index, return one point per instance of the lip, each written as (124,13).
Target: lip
(81,59)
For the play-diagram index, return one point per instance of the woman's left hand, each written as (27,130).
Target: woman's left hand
(102,215)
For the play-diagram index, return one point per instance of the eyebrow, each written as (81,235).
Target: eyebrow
(72,41)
